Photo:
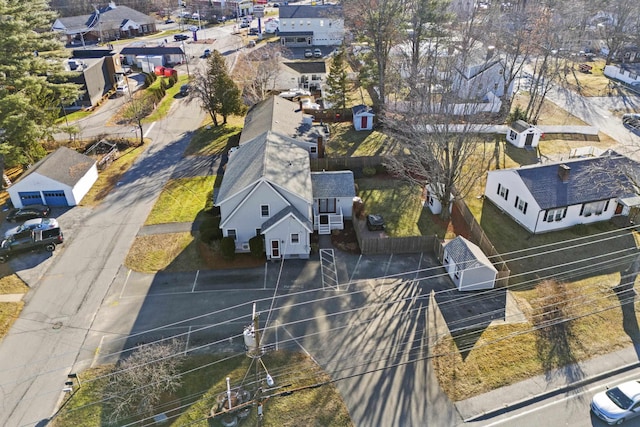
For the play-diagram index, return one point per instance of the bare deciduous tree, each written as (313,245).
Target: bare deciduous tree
(258,71)
(136,387)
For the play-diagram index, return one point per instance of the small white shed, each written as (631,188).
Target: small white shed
(362,117)
(62,178)
(468,266)
(432,200)
(523,135)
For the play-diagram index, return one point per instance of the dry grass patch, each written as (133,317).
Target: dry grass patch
(550,114)
(9,312)
(503,355)
(345,141)
(109,177)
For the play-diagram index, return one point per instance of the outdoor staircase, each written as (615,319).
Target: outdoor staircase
(324,229)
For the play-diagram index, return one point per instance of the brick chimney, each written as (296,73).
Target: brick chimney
(320,147)
(563,172)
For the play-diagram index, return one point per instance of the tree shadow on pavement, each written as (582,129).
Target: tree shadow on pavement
(626,296)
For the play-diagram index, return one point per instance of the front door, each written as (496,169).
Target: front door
(529,140)
(275,248)
(619,208)
(363,122)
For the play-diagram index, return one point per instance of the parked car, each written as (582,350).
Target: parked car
(619,404)
(180,37)
(28,212)
(253,31)
(317,53)
(276,5)
(244,24)
(169,21)
(206,53)
(308,53)
(252,43)
(375,222)
(184,89)
(30,225)
(35,240)
(292,93)
(121,88)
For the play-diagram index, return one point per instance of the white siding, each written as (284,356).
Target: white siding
(37,182)
(511,181)
(282,232)
(83,186)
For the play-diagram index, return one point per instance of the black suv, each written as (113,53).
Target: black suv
(180,37)
(28,212)
(36,240)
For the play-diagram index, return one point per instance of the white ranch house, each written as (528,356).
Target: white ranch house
(62,178)
(556,196)
(268,188)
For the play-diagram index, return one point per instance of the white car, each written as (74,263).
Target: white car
(295,92)
(121,89)
(32,224)
(619,404)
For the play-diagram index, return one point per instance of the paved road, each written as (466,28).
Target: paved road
(45,342)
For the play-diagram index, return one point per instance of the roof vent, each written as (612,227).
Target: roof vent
(563,172)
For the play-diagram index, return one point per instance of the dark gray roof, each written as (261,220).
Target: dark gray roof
(315,67)
(520,126)
(332,184)
(305,11)
(63,165)
(591,179)
(295,33)
(289,210)
(272,157)
(92,53)
(109,19)
(275,114)
(155,50)
(361,109)
(466,254)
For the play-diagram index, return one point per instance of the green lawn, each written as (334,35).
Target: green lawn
(163,108)
(400,204)
(204,378)
(182,200)
(345,141)
(211,140)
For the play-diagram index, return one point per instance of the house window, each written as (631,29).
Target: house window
(597,208)
(232,233)
(295,238)
(555,214)
(495,86)
(257,231)
(512,134)
(326,205)
(313,150)
(521,205)
(457,274)
(503,192)
(264,210)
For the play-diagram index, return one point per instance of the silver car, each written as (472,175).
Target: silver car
(32,224)
(619,404)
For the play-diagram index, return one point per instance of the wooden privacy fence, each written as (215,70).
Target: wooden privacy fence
(373,244)
(478,237)
(340,163)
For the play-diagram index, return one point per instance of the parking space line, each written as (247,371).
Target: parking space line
(355,269)
(125,284)
(149,130)
(195,281)
(96,353)
(265,276)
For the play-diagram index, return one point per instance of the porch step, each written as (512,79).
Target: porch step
(324,229)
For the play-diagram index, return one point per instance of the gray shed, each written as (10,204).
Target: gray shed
(468,266)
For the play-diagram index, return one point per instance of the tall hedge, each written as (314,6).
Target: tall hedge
(228,247)
(256,245)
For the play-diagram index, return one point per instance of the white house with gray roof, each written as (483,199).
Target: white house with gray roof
(268,188)
(468,267)
(304,25)
(549,197)
(62,178)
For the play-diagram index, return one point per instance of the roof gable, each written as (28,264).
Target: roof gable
(288,212)
(306,11)
(467,255)
(63,165)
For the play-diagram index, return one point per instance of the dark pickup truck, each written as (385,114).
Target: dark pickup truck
(29,242)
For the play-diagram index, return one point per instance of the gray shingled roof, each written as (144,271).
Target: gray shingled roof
(305,11)
(63,165)
(519,126)
(276,114)
(282,214)
(592,179)
(155,50)
(308,67)
(466,254)
(361,109)
(109,19)
(272,157)
(332,184)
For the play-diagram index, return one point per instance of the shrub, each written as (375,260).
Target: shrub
(210,229)
(369,171)
(172,81)
(228,247)
(517,114)
(256,245)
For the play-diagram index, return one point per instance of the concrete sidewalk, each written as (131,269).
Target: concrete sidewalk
(559,381)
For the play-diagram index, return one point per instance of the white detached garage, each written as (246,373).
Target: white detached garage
(62,178)
(468,266)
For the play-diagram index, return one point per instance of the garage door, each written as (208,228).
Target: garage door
(30,198)
(55,198)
